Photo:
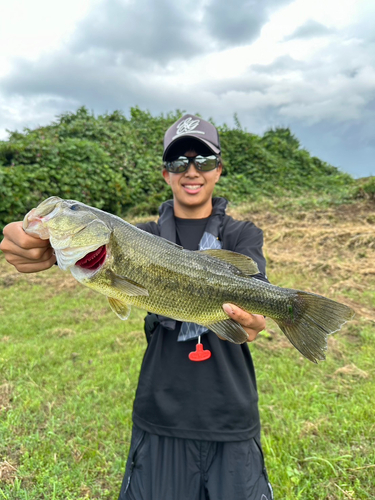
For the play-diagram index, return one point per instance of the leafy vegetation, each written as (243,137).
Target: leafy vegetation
(69,369)
(366,189)
(114,163)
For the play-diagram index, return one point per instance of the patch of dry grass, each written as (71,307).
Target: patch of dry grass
(333,247)
(7,472)
(5,396)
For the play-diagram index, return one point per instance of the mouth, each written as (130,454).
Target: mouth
(192,188)
(93,260)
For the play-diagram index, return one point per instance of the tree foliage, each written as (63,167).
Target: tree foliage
(114,163)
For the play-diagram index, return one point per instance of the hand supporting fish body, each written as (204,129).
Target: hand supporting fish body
(133,267)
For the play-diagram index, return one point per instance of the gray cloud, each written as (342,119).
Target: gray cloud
(19,112)
(155,30)
(163,30)
(97,82)
(280,65)
(237,22)
(310,29)
(121,47)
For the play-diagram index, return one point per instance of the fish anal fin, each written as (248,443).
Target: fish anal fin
(120,308)
(229,330)
(127,286)
(243,263)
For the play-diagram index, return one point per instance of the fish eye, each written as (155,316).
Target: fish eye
(74,207)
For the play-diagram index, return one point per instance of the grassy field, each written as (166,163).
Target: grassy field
(69,369)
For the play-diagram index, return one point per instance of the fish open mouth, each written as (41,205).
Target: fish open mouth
(93,260)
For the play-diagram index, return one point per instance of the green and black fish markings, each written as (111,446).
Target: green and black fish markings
(133,267)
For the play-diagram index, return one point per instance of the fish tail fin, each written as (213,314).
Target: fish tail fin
(311,319)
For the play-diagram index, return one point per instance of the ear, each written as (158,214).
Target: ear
(166,176)
(218,172)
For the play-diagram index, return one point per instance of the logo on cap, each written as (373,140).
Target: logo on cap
(187,127)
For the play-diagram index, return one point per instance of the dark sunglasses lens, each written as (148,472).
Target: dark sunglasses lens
(177,166)
(206,163)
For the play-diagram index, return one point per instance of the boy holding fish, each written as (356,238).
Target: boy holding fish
(196,429)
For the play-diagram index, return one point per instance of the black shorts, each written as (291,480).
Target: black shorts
(165,468)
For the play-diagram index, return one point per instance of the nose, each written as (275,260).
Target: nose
(191,169)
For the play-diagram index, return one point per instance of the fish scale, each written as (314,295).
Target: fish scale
(149,272)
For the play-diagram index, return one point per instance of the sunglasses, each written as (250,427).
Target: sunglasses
(202,163)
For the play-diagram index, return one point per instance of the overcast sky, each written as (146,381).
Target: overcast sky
(306,64)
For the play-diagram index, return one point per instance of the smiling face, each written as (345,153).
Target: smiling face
(192,190)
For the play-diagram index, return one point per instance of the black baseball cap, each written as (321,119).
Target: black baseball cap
(190,129)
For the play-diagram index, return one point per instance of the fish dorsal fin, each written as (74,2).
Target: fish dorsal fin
(242,262)
(120,308)
(127,286)
(229,330)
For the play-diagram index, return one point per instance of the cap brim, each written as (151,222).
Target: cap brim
(212,148)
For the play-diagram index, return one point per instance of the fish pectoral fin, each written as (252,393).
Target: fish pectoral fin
(128,286)
(229,330)
(242,262)
(120,308)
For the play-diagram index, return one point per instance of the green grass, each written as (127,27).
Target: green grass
(318,421)
(68,373)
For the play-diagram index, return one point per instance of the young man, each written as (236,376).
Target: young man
(196,432)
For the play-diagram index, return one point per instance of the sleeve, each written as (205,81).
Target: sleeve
(149,227)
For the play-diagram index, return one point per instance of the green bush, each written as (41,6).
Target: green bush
(114,163)
(366,189)
(38,167)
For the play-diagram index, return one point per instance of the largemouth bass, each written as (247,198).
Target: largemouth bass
(133,267)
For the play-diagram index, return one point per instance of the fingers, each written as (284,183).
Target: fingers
(252,323)
(23,267)
(30,261)
(245,319)
(26,253)
(14,233)
(33,254)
